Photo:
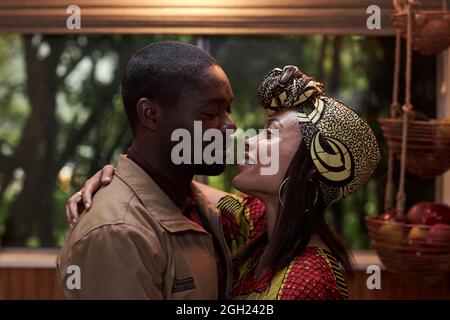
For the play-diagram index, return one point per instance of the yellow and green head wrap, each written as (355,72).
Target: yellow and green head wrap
(342,146)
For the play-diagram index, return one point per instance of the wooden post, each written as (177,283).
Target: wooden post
(443,110)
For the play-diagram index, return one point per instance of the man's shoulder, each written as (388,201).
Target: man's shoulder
(102,237)
(128,232)
(106,251)
(113,205)
(109,206)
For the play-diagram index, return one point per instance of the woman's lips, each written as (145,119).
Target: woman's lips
(249,159)
(241,167)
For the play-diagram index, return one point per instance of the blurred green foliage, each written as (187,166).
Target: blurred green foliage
(354,69)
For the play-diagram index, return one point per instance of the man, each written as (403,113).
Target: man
(151,234)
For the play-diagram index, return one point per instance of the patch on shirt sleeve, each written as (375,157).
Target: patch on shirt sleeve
(183,284)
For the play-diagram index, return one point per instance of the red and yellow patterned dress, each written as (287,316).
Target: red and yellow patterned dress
(313,275)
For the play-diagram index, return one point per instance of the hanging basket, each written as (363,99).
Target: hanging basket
(431,30)
(413,255)
(428,145)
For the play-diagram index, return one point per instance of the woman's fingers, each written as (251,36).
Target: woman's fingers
(100,179)
(74,207)
(107,174)
(68,217)
(82,200)
(90,187)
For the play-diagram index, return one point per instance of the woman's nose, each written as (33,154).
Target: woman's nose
(251,143)
(246,146)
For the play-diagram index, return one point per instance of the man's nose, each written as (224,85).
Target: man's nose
(228,123)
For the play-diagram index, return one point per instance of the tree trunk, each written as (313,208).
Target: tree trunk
(321,59)
(335,78)
(31,212)
(36,151)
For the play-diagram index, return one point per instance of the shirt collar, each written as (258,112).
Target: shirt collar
(155,201)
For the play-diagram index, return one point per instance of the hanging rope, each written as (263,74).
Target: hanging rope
(395,107)
(407,108)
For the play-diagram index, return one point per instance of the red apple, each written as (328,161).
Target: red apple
(388,215)
(437,213)
(417,212)
(439,239)
(439,232)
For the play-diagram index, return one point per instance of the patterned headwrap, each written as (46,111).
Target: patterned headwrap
(343,147)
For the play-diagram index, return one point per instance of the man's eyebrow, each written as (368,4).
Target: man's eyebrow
(220,100)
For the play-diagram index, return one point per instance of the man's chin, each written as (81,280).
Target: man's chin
(209,169)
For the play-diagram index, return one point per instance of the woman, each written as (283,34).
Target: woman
(281,246)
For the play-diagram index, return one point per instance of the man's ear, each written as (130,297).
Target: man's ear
(148,113)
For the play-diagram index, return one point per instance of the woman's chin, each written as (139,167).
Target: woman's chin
(239,183)
(235,181)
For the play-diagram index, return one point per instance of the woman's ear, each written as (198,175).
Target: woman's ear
(148,113)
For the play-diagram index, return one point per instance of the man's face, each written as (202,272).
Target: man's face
(209,103)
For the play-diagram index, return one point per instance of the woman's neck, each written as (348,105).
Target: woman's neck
(271,204)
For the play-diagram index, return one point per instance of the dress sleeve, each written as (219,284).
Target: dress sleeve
(242,219)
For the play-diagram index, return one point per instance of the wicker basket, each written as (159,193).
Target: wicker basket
(411,254)
(431,30)
(428,147)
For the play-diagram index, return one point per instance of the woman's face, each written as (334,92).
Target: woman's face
(249,178)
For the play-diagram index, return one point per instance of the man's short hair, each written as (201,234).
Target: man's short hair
(160,72)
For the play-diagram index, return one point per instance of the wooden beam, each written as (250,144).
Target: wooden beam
(211,17)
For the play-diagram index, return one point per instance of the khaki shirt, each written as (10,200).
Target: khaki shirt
(134,243)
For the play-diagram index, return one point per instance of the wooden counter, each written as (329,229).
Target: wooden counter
(28,274)
(31,274)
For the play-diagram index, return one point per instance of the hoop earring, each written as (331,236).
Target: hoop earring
(280,189)
(316,195)
(315,199)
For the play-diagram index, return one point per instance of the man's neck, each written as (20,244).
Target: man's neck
(174,185)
